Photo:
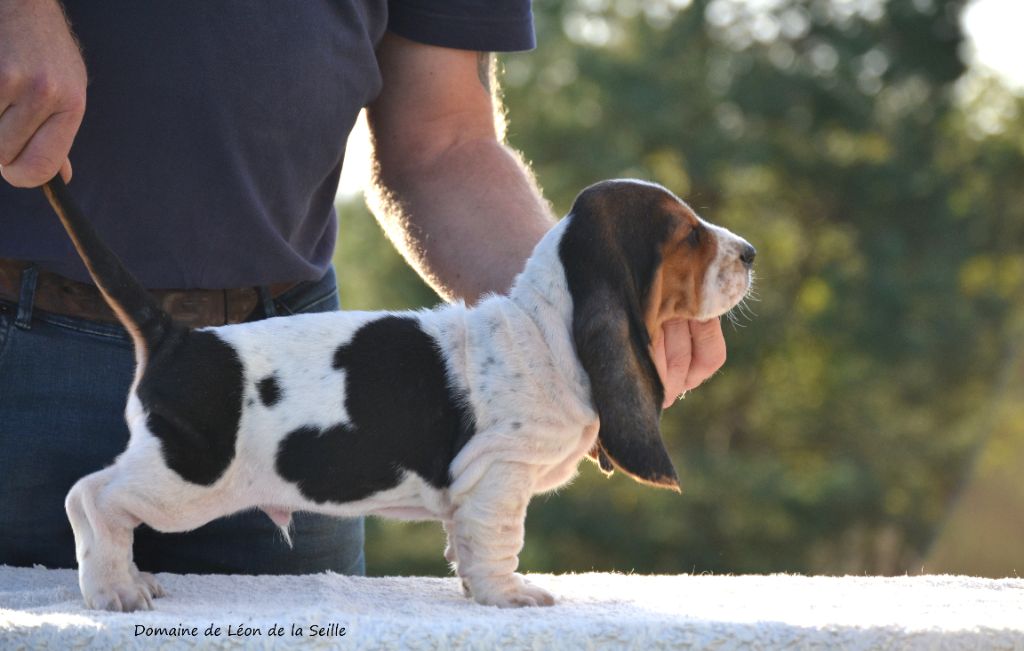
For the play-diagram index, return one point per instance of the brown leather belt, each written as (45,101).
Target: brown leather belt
(196,308)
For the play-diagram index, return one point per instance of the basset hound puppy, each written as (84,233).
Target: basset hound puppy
(455,414)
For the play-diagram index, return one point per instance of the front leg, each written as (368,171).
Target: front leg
(486,535)
(449,552)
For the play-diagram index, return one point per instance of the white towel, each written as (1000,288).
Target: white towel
(42,608)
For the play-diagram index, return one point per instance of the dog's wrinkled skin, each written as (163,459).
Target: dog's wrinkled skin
(455,414)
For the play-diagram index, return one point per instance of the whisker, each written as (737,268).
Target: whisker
(733,319)
(741,313)
(747,309)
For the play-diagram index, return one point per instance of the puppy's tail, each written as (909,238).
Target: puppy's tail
(135,308)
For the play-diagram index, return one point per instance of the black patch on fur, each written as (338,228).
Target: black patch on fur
(191,387)
(192,391)
(270,391)
(610,252)
(403,416)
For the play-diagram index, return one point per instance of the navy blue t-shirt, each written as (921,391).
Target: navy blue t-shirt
(214,132)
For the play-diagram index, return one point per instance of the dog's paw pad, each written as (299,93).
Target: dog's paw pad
(149,581)
(529,595)
(514,592)
(541,596)
(125,597)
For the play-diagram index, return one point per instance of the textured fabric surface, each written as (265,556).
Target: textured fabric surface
(594,611)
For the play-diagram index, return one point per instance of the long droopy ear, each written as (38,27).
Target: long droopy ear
(610,257)
(600,457)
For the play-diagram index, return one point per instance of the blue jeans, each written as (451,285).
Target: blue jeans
(63,386)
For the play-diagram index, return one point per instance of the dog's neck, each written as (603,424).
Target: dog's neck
(542,283)
(542,292)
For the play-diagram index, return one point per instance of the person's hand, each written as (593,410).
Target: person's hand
(42,91)
(686,353)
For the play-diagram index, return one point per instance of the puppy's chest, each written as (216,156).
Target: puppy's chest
(513,377)
(527,404)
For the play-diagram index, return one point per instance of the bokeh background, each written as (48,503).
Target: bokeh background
(870,416)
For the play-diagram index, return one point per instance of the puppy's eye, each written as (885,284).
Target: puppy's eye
(694,238)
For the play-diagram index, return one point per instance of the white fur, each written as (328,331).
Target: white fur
(534,423)
(727,279)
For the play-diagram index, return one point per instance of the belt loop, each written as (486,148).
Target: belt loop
(269,308)
(29,275)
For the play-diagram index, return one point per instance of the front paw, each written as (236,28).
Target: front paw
(512,591)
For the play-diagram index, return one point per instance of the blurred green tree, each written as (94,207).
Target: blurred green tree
(843,139)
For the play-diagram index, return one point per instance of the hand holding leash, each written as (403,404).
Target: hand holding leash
(42,91)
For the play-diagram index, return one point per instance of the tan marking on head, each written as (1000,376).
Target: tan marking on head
(676,289)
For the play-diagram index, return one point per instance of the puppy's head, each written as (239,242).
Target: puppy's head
(636,256)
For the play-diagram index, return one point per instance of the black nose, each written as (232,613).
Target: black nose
(747,256)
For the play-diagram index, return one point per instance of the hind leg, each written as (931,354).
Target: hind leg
(103,547)
(149,581)
(105,508)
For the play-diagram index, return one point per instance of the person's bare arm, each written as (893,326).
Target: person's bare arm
(42,91)
(460,205)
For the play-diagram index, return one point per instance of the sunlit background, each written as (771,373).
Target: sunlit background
(870,416)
